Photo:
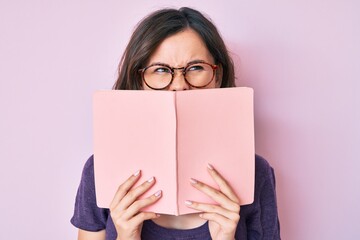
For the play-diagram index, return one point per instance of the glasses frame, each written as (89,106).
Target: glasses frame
(213,66)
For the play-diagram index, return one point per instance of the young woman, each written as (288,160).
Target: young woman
(177,50)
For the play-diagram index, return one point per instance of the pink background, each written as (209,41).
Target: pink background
(301,57)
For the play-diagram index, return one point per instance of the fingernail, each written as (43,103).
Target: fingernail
(210,166)
(187,202)
(137,173)
(158,193)
(157,215)
(193,181)
(150,180)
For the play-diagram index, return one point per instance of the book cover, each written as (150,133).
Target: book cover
(173,136)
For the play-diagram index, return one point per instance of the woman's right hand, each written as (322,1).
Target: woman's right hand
(125,207)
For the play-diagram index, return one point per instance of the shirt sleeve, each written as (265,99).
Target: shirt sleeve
(263,222)
(87,215)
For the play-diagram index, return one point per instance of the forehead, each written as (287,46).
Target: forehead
(181,48)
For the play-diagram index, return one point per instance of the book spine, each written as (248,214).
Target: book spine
(176,157)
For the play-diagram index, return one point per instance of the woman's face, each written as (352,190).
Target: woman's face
(177,51)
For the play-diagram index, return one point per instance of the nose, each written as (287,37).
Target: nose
(179,83)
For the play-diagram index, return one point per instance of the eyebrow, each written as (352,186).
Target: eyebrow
(191,62)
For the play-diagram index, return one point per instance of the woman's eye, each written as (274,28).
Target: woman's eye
(162,70)
(195,68)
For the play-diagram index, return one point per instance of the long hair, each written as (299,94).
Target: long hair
(159,25)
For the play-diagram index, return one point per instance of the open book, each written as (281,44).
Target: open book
(173,136)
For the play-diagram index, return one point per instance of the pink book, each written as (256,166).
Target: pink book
(173,136)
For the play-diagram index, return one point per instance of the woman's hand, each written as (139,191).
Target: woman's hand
(125,207)
(223,218)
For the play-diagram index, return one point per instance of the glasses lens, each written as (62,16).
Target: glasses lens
(157,76)
(199,74)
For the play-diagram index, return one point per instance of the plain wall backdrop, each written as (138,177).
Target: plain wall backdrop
(301,57)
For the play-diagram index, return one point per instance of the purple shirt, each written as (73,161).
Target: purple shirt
(258,220)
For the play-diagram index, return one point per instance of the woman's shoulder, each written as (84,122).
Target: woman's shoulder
(88,171)
(264,185)
(89,165)
(264,173)
(261,164)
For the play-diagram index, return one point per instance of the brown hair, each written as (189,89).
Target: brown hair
(153,29)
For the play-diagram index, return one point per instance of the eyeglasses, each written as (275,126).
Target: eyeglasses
(197,74)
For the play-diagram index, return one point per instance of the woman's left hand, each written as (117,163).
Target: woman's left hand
(224,217)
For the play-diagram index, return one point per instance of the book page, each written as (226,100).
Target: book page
(135,130)
(215,126)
